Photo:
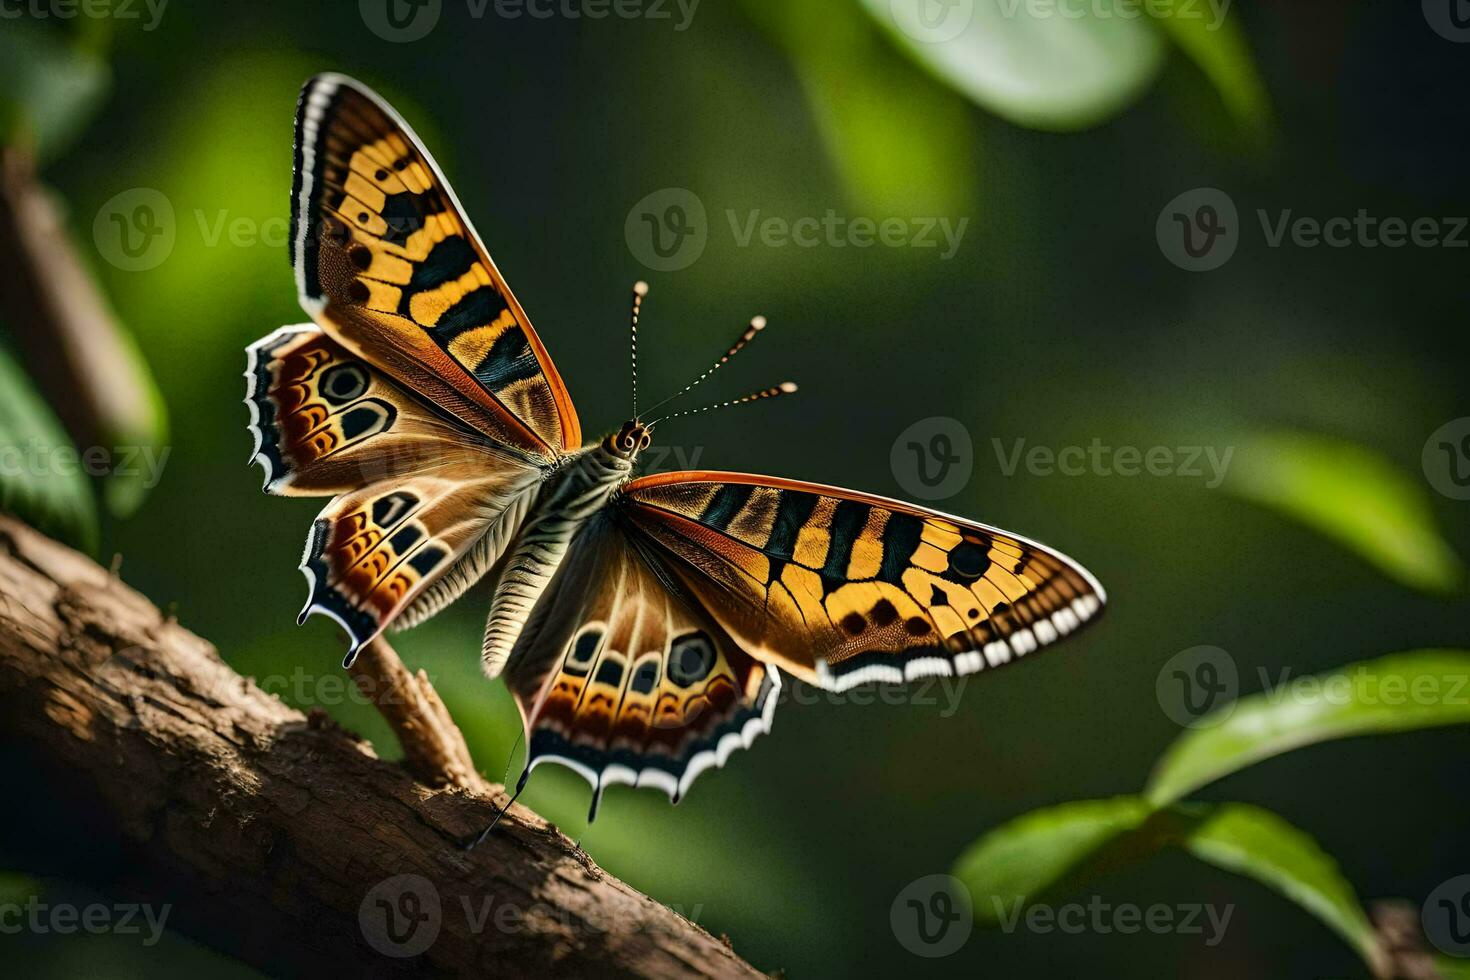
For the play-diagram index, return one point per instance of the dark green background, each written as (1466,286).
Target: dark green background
(1058,321)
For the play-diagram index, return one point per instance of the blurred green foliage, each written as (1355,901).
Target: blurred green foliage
(41,476)
(1047,72)
(50,87)
(1399,693)
(1354,496)
(1052,853)
(52,84)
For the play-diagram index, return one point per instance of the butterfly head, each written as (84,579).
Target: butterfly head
(630,440)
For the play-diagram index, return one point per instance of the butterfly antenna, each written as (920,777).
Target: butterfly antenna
(520,785)
(640,290)
(757,324)
(784,388)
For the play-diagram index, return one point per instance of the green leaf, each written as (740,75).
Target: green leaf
(1256,843)
(1217,45)
(1051,853)
(1398,693)
(1353,496)
(49,89)
(1044,852)
(901,144)
(1028,63)
(41,480)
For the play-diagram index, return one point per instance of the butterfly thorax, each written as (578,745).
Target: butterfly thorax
(572,493)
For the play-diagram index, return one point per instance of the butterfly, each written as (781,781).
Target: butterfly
(643,624)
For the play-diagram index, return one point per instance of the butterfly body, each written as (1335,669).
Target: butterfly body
(641,623)
(570,494)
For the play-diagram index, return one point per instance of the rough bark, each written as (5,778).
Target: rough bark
(278,837)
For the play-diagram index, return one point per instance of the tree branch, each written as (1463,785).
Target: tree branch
(434,750)
(282,839)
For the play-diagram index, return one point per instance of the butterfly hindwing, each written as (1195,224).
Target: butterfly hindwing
(388,263)
(622,677)
(841,588)
(373,552)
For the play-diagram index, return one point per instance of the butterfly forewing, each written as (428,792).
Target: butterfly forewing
(326,422)
(389,264)
(841,588)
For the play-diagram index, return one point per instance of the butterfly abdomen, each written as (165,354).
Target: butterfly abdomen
(574,493)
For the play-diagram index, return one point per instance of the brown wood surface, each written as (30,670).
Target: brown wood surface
(279,837)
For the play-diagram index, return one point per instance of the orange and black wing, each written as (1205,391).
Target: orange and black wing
(621,675)
(389,265)
(422,505)
(840,588)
